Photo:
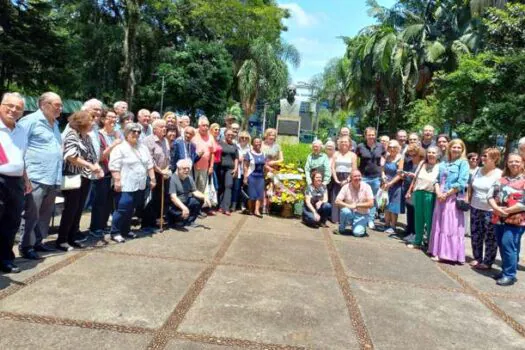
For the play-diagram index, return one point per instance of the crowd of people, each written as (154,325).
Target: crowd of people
(163,171)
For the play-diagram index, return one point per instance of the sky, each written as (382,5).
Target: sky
(314,27)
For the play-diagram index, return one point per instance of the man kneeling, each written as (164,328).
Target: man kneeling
(355,200)
(185,201)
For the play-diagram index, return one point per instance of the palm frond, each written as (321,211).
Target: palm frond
(435,51)
(478,6)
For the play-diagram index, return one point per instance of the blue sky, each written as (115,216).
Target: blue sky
(315,25)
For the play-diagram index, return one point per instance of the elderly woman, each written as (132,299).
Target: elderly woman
(345,131)
(447,240)
(343,162)
(414,156)
(507,198)
(254,165)
(392,182)
(482,230)
(130,164)
(316,207)
(319,162)
(271,149)
(227,171)
(244,148)
(102,206)
(80,161)
(423,195)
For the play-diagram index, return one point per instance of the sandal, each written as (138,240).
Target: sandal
(474,263)
(482,267)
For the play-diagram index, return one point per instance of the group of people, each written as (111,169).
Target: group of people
(442,189)
(162,170)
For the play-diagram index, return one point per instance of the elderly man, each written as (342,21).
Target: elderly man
(413,138)
(184,148)
(183,123)
(121,110)
(355,199)
(229,120)
(319,162)
(402,138)
(428,137)
(43,161)
(154,116)
(203,168)
(13,180)
(160,153)
(185,200)
(143,119)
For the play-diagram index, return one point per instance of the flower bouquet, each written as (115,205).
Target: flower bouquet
(286,188)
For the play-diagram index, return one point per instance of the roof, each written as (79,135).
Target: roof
(70,106)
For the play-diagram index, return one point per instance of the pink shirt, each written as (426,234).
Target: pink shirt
(203,145)
(349,195)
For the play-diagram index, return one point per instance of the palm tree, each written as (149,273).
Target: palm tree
(478,6)
(264,73)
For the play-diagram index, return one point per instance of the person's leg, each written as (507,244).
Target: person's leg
(359,224)
(11,207)
(410,230)
(346,217)
(46,211)
(227,194)
(123,213)
(374,183)
(98,206)
(491,246)
(476,231)
(308,217)
(419,217)
(109,204)
(152,209)
(236,193)
(67,220)
(85,191)
(429,200)
(194,206)
(30,216)
(258,205)
(509,240)
(325,211)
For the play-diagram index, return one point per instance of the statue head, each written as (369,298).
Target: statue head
(291,90)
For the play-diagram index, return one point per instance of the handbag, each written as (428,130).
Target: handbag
(71,182)
(211,193)
(382,199)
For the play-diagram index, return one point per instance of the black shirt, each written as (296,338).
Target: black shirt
(229,154)
(370,159)
(182,189)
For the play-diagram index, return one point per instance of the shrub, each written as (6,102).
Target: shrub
(296,153)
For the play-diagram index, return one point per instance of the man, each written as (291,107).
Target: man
(345,132)
(143,118)
(183,122)
(235,127)
(413,138)
(160,153)
(185,200)
(384,140)
(371,155)
(228,120)
(184,148)
(402,138)
(13,180)
(43,161)
(428,137)
(203,168)
(355,199)
(154,116)
(121,110)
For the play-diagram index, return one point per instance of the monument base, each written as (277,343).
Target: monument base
(291,140)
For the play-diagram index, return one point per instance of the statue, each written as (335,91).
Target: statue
(289,120)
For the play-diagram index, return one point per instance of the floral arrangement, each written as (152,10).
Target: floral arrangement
(287,185)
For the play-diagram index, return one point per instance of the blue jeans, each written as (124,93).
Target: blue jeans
(509,237)
(175,214)
(324,212)
(102,204)
(375,183)
(352,218)
(125,203)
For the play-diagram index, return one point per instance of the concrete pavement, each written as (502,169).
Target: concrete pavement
(241,282)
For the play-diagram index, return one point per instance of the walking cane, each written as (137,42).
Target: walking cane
(162,205)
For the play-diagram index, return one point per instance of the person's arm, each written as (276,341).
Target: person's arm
(212,160)
(327,170)
(178,203)
(334,174)
(307,167)
(398,176)
(199,195)
(308,203)
(28,188)
(462,180)
(413,182)
(279,159)
(325,196)
(235,163)
(115,166)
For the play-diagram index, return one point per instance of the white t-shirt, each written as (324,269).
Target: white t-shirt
(480,188)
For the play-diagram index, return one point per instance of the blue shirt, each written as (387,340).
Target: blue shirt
(456,174)
(44,149)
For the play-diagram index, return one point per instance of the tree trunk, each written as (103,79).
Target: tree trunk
(132,18)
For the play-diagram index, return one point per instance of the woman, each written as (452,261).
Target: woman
(317,161)
(109,138)
(171,119)
(271,149)
(215,132)
(244,148)
(482,230)
(414,156)
(473,162)
(392,182)
(227,171)
(343,162)
(447,240)
(329,149)
(130,164)
(254,165)
(507,199)
(316,207)
(80,159)
(442,143)
(172,133)
(422,193)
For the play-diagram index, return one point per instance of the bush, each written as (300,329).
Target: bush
(296,153)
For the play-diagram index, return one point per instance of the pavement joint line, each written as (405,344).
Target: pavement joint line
(507,296)
(485,300)
(12,289)
(57,321)
(233,342)
(279,269)
(408,284)
(162,335)
(356,318)
(150,256)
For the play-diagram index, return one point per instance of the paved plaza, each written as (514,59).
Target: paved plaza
(240,282)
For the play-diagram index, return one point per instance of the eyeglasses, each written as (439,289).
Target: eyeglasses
(138,132)
(482,156)
(56,105)
(13,107)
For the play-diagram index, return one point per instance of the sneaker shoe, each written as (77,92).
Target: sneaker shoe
(80,237)
(118,238)
(390,231)
(130,235)
(371,225)
(202,215)
(97,233)
(64,247)
(409,238)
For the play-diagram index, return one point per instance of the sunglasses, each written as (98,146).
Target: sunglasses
(136,132)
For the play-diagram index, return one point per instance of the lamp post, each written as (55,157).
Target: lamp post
(162,89)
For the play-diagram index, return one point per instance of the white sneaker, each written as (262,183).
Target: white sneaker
(390,231)
(371,225)
(118,238)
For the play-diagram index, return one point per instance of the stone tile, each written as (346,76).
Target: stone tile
(272,307)
(515,308)
(272,250)
(106,288)
(189,345)
(400,317)
(220,222)
(195,244)
(23,335)
(405,265)
(291,228)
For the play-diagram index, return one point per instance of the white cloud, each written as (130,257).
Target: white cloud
(301,18)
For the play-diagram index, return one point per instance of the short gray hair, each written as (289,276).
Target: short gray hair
(203,119)
(158,123)
(184,162)
(119,103)
(93,103)
(521,142)
(130,127)
(329,143)
(318,142)
(46,97)
(12,94)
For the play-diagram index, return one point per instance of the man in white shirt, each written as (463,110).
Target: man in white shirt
(13,180)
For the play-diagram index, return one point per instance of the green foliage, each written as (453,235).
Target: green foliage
(422,112)
(506,27)
(296,153)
